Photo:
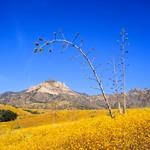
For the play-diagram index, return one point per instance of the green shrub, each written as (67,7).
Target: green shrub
(7,115)
(32,111)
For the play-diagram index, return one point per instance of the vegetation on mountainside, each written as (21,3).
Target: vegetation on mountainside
(78,129)
(7,115)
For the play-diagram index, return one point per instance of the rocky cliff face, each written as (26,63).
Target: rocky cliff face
(56,95)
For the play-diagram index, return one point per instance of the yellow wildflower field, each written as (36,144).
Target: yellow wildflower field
(76,130)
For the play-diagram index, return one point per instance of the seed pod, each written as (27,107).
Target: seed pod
(35,50)
(37,44)
(40,39)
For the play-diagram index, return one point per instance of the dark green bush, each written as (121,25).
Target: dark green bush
(7,115)
(32,111)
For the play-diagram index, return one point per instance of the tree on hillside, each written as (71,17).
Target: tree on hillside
(123,48)
(7,115)
(60,38)
(115,82)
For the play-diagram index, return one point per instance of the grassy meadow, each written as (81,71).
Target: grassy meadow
(75,130)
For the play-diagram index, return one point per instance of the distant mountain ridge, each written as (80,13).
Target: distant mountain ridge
(56,95)
(47,95)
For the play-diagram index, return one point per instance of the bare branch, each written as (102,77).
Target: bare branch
(124,51)
(95,88)
(93,79)
(89,62)
(75,38)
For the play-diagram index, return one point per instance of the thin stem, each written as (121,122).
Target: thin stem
(90,65)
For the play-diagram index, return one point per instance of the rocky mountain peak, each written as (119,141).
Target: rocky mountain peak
(50,87)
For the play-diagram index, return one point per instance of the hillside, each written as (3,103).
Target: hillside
(56,95)
(76,129)
(33,117)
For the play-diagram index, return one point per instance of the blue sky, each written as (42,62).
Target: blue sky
(99,23)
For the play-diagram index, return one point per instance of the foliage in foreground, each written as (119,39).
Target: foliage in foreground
(130,131)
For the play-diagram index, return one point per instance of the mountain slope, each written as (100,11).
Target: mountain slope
(49,94)
(56,95)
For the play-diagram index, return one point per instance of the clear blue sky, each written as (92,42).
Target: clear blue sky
(99,23)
